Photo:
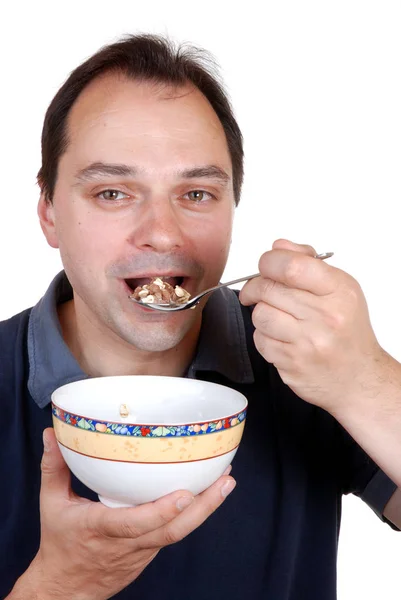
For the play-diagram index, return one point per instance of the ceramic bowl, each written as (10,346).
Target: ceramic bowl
(133,439)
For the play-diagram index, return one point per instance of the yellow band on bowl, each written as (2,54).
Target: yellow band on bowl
(148,450)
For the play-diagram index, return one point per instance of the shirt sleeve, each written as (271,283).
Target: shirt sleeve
(360,475)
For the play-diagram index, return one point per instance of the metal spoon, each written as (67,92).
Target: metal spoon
(194,301)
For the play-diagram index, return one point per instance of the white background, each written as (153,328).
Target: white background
(316,89)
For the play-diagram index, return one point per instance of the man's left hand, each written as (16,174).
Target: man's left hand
(312,323)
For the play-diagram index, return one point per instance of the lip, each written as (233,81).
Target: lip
(149,275)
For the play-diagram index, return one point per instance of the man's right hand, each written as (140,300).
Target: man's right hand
(89,551)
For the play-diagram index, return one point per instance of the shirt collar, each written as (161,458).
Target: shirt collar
(51,364)
(222,344)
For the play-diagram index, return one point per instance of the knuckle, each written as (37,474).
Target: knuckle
(348,285)
(267,286)
(293,270)
(166,517)
(262,346)
(263,260)
(289,379)
(354,293)
(45,467)
(258,314)
(321,345)
(107,528)
(258,339)
(346,306)
(128,529)
(266,319)
(171,535)
(336,321)
(210,505)
(297,366)
(310,250)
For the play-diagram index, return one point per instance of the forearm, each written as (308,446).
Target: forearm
(26,588)
(34,585)
(22,591)
(372,416)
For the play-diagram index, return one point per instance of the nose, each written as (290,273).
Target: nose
(158,227)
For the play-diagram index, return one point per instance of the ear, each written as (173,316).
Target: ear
(47,221)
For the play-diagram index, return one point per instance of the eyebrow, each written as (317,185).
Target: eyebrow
(208,171)
(100,169)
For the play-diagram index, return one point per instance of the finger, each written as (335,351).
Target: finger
(274,352)
(55,473)
(137,521)
(298,271)
(298,303)
(201,508)
(275,323)
(283,244)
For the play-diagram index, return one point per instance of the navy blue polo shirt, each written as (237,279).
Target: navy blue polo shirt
(275,537)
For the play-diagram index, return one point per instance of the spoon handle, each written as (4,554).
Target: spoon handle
(319,256)
(239,280)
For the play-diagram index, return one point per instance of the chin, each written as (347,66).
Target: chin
(158,342)
(152,337)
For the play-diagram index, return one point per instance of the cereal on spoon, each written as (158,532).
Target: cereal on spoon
(160,292)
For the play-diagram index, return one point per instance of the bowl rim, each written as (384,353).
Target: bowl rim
(147,424)
(154,425)
(125,421)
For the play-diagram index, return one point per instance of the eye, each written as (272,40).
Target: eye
(198,196)
(111,195)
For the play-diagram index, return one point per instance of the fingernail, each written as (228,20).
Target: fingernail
(228,470)
(183,502)
(228,487)
(46,445)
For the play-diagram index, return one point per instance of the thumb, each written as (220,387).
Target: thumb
(55,473)
(283,244)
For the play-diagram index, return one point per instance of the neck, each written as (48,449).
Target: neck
(101,354)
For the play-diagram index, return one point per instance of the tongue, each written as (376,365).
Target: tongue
(139,282)
(172,280)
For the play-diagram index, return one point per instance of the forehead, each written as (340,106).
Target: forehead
(116,118)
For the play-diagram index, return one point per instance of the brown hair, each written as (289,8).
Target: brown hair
(146,58)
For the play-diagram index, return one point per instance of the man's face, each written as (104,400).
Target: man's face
(144,189)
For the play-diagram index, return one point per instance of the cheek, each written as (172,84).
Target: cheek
(213,238)
(213,253)
(221,243)
(83,238)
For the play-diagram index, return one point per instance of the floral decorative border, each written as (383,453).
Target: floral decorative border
(109,427)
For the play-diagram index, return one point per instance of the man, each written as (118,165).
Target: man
(141,172)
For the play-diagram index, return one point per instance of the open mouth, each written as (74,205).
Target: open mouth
(134,283)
